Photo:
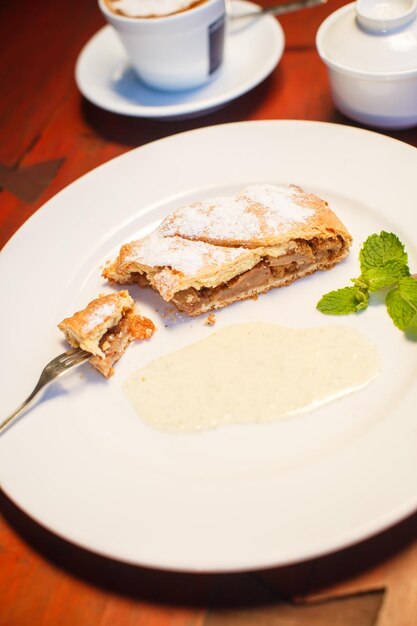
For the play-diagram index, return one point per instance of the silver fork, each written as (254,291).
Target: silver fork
(58,366)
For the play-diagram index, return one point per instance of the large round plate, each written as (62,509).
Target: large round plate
(83,464)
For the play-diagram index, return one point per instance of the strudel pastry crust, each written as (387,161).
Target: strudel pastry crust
(105,328)
(211,253)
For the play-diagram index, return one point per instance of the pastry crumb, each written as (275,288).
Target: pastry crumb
(172,315)
(211,319)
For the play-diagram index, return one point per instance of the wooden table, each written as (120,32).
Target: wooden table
(49,137)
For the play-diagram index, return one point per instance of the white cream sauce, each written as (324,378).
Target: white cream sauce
(255,372)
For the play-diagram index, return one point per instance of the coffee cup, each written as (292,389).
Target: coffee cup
(179,50)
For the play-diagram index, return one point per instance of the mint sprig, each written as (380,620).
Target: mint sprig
(378,250)
(385,276)
(383,261)
(402,304)
(384,264)
(343,301)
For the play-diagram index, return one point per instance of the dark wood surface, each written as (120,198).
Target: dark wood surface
(49,136)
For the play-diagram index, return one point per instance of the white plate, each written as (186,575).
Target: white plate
(253,48)
(83,464)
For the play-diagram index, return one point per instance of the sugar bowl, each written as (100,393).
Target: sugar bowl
(370,50)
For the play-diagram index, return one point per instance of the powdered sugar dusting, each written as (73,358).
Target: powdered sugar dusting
(259,211)
(98,316)
(182,255)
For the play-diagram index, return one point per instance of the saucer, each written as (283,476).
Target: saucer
(253,48)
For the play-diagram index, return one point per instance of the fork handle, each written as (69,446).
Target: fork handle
(280,9)
(25,404)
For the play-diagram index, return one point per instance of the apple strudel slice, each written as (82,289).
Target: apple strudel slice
(105,328)
(211,253)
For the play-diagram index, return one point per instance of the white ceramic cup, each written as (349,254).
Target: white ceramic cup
(174,52)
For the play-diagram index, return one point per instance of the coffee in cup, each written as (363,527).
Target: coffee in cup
(150,8)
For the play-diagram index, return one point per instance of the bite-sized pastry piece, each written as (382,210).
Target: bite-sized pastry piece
(105,328)
(211,253)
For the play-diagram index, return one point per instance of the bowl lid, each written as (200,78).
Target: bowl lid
(371,36)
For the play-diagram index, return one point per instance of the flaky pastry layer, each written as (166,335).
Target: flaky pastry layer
(199,251)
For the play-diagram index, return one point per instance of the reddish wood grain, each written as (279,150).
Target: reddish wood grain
(40,41)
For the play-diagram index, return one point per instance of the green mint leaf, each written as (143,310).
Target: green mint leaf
(385,275)
(402,303)
(380,249)
(343,301)
(360,283)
